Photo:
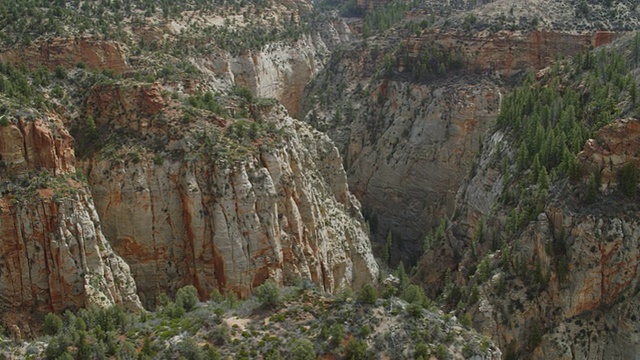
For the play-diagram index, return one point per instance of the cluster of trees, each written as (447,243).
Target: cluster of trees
(21,84)
(384,17)
(185,328)
(435,61)
(550,121)
(113,333)
(239,39)
(206,101)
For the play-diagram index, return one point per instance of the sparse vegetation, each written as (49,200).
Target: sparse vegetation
(314,324)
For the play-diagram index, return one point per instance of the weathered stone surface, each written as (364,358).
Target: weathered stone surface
(280,70)
(284,212)
(569,279)
(408,143)
(614,146)
(30,145)
(577,315)
(506,53)
(66,52)
(55,256)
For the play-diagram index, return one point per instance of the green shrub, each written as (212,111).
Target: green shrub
(56,347)
(591,193)
(422,351)
(356,350)
(52,324)
(187,298)
(190,350)
(441,352)
(302,349)
(628,179)
(414,309)
(365,330)
(173,311)
(216,296)
(60,72)
(337,334)
(413,294)
(368,295)
(268,293)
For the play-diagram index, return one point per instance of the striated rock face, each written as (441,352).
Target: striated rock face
(614,146)
(280,70)
(228,222)
(55,256)
(31,145)
(581,306)
(65,52)
(559,289)
(421,152)
(506,53)
(409,140)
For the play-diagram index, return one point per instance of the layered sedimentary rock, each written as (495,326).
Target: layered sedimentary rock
(614,146)
(31,145)
(66,52)
(228,222)
(561,287)
(506,53)
(55,256)
(409,129)
(582,295)
(279,70)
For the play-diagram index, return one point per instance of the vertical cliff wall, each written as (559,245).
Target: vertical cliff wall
(54,254)
(201,211)
(562,286)
(408,115)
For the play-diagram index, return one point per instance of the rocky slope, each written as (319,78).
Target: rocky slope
(197,211)
(548,266)
(280,71)
(195,181)
(409,127)
(55,256)
(558,289)
(296,322)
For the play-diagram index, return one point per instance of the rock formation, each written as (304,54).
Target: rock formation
(280,70)
(188,215)
(55,256)
(561,287)
(408,140)
(68,53)
(614,146)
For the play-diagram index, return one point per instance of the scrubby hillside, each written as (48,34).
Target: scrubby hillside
(293,323)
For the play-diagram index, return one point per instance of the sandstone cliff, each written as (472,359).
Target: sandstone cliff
(185,203)
(69,52)
(280,70)
(566,306)
(55,256)
(559,288)
(409,127)
(202,211)
(613,147)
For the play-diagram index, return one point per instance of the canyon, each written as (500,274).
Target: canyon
(168,158)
